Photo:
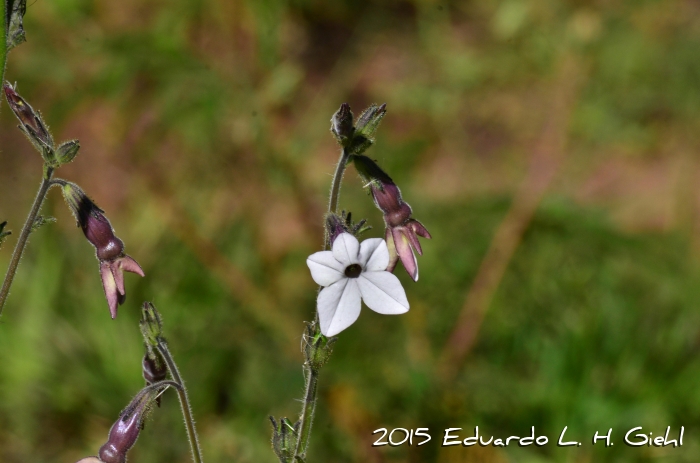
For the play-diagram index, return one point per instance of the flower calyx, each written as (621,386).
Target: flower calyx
(337,224)
(151,327)
(284,438)
(109,249)
(317,347)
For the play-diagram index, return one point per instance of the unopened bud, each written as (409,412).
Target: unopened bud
(341,124)
(124,432)
(31,123)
(369,120)
(108,248)
(151,325)
(67,151)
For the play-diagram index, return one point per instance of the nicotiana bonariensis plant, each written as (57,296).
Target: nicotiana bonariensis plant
(158,366)
(348,271)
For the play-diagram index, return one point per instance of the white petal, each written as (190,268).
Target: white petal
(338,306)
(383,293)
(345,249)
(374,255)
(325,269)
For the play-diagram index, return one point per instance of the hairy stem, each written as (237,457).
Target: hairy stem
(3,45)
(337,180)
(24,235)
(184,402)
(307,414)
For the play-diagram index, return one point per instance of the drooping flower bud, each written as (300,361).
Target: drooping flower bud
(402,231)
(30,121)
(108,247)
(124,432)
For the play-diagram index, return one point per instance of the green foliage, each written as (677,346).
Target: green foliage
(204,127)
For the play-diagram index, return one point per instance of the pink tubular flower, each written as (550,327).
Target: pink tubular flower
(108,248)
(402,231)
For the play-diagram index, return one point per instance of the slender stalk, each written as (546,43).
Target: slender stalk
(184,402)
(310,394)
(24,236)
(3,45)
(337,180)
(307,414)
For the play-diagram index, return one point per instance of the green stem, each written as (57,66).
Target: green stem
(184,402)
(3,45)
(24,236)
(310,395)
(307,413)
(337,180)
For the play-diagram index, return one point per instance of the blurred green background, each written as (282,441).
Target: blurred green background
(550,147)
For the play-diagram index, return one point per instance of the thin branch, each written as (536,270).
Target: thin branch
(24,236)
(184,402)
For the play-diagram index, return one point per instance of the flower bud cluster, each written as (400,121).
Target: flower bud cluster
(360,136)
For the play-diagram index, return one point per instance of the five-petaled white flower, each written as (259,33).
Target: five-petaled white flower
(352,271)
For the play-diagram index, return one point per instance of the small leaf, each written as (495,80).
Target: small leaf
(41,220)
(3,234)
(14,12)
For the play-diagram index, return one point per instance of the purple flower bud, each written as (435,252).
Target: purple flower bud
(402,231)
(341,124)
(31,121)
(108,248)
(124,432)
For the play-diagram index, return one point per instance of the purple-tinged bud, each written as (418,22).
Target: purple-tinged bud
(154,369)
(108,248)
(387,197)
(124,432)
(30,120)
(341,124)
(90,460)
(335,226)
(402,231)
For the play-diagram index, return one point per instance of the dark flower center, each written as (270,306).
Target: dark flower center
(353,271)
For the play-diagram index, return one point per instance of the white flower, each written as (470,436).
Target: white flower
(352,271)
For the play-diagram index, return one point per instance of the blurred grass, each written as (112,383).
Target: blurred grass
(204,133)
